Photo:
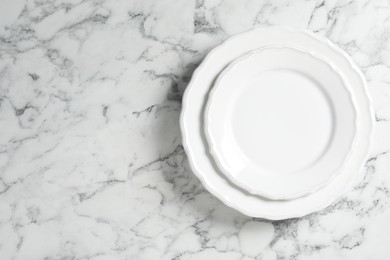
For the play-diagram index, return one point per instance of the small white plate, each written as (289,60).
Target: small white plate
(280,122)
(194,141)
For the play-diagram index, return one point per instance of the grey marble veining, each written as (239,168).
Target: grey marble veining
(91,162)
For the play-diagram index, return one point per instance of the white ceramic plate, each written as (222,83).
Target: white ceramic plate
(280,122)
(194,142)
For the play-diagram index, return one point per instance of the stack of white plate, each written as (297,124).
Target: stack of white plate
(277,123)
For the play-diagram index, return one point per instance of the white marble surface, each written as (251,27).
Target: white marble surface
(91,162)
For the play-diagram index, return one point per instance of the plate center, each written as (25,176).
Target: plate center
(282,121)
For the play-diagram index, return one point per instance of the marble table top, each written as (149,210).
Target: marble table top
(91,161)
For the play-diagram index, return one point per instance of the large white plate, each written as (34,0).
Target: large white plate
(280,104)
(191,123)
